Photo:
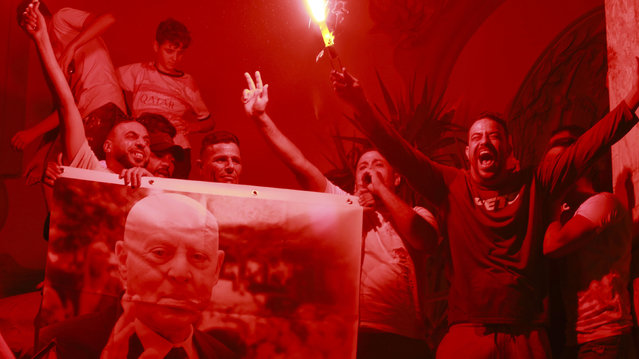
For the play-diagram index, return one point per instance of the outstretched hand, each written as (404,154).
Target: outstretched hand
(22,139)
(347,87)
(33,22)
(255,97)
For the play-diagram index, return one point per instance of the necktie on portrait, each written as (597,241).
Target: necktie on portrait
(177,353)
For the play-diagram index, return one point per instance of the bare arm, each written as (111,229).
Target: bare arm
(201,126)
(425,176)
(593,215)
(562,240)
(556,174)
(412,227)
(255,101)
(72,128)
(93,27)
(23,138)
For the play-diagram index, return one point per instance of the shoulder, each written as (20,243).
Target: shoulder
(81,337)
(427,215)
(132,67)
(603,208)
(67,14)
(333,189)
(603,201)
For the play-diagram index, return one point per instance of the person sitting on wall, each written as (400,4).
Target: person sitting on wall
(126,147)
(161,87)
(84,57)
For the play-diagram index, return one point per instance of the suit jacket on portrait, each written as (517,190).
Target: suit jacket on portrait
(85,336)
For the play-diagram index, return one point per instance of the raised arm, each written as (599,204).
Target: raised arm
(556,174)
(255,99)
(93,26)
(413,227)
(72,128)
(424,175)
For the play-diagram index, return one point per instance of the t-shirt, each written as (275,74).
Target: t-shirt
(496,234)
(85,158)
(595,278)
(94,82)
(389,297)
(175,97)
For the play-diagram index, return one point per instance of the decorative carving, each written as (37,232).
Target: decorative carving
(566,86)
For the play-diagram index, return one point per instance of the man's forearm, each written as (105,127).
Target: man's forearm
(72,126)
(47,124)
(201,126)
(309,176)
(94,28)
(417,168)
(414,229)
(559,173)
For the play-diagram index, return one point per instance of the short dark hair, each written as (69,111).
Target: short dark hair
(111,133)
(218,137)
(22,7)
(572,133)
(494,116)
(174,32)
(157,123)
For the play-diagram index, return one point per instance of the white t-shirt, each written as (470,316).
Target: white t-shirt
(389,299)
(595,278)
(86,159)
(94,82)
(175,97)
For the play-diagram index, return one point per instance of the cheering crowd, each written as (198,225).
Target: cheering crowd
(502,227)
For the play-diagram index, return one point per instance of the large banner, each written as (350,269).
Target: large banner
(125,263)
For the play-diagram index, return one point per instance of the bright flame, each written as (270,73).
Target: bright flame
(318,9)
(329,39)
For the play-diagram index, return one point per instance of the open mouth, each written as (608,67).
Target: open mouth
(486,158)
(137,155)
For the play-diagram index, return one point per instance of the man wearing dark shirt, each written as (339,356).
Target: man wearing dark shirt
(494,220)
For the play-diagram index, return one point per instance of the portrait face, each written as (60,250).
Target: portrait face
(373,161)
(168,56)
(161,164)
(128,144)
(169,260)
(487,151)
(222,163)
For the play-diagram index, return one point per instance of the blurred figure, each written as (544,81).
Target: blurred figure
(164,152)
(392,322)
(161,87)
(592,234)
(100,283)
(220,159)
